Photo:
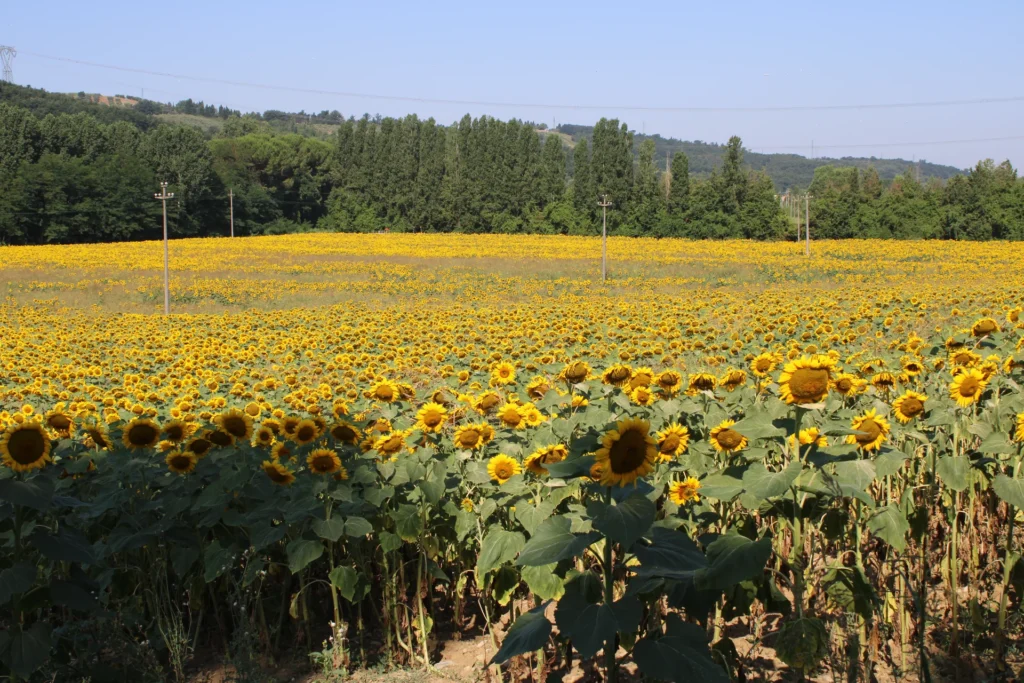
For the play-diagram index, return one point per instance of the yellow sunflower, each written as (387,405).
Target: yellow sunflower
(727,440)
(575,372)
(181,462)
(682,492)
(199,445)
(672,442)
(470,437)
(323,461)
(511,415)
(669,381)
(967,387)
(806,380)
(502,374)
(141,433)
(384,391)
(501,468)
(808,436)
(486,402)
(431,417)
(643,396)
(344,432)
(848,385)
(733,379)
(627,452)
(175,431)
(264,436)
(984,327)
(220,438)
(391,444)
(908,406)
(702,381)
(59,421)
(25,447)
(617,375)
(278,473)
(305,432)
(545,456)
(1018,435)
(235,422)
(280,451)
(762,365)
(97,434)
(875,428)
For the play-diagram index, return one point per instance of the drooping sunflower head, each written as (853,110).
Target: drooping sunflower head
(617,375)
(984,327)
(702,381)
(641,377)
(807,437)
(725,439)
(25,447)
(672,442)
(343,431)
(875,430)
(487,402)
(545,455)
(685,491)
(669,381)
(141,433)
(733,379)
(431,417)
(279,474)
(59,421)
(220,438)
(235,422)
(501,468)
(908,406)
(181,462)
(967,387)
(575,372)
(538,387)
(97,435)
(323,461)
(806,380)
(913,367)
(280,451)
(627,452)
(200,445)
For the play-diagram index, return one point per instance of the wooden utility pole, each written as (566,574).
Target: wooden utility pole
(807,230)
(231,203)
(604,204)
(163,197)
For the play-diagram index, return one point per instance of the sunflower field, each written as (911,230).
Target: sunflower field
(729,462)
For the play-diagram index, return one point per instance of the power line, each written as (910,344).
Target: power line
(539,105)
(891,144)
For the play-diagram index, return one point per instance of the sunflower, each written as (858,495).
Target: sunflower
(669,381)
(431,417)
(733,379)
(682,492)
(470,437)
(486,402)
(532,415)
(545,456)
(305,432)
(875,428)
(580,401)
(908,406)
(964,357)
(806,380)
(848,385)
(220,438)
(1011,364)
(967,387)
(141,433)
(25,447)
(501,468)
(341,474)
(762,365)
(642,395)
(175,431)
(385,391)
(511,415)
(235,422)
(323,461)
(576,372)
(617,375)
(344,432)
(288,425)
(280,451)
(391,443)
(641,377)
(984,327)
(808,436)
(97,434)
(627,452)
(702,381)
(912,367)
(278,473)
(1018,435)
(200,445)
(264,436)
(181,462)
(727,440)
(466,505)
(59,421)
(538,387)
(502,374)
(672,442)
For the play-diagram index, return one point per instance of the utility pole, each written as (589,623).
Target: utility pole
(807,230)
(231,203)
(604,204)
(163,197)
(7,55)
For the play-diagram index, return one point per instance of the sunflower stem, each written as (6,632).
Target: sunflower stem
(611,673)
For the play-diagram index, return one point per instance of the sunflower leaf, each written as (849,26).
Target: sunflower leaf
(626,522)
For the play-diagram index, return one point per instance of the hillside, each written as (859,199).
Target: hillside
(786,170)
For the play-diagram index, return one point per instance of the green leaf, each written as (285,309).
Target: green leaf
(182,560)
(582,619)
(345,580)
(498,547)
(66,546)
(301,552)
(757,426)
(626,522)
(464,523)
(27,650)
(389,542)
(37,493)
(529,632)
(571,467)
(671,554)
(15,580)
(855,475)
(731,559)
(72,595)
(1010,490)
(408,522)
(889,462)
(629,612)
(544,582)
(759,482)
(890,525)
(505,582)
(553,542)
(851,590)
(530,516)
(721,487)
(330,529)
(217,560)
(357,527)
(952,470)
(996,442)
(681,656)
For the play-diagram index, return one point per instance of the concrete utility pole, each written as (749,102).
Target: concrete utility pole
(807,230)
(163,197)
(604,204)
(231,203)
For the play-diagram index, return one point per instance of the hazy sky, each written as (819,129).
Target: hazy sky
(612,54)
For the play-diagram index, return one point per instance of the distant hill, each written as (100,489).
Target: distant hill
(786,170)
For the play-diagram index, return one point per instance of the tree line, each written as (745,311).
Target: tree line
(69,177)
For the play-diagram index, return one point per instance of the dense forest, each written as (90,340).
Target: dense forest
(71,171)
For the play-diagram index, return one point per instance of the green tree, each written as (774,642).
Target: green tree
(679,185)
(553,171)
(583,194)
(645,200)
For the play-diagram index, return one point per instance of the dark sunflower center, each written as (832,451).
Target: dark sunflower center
(969,387)
(343,433)
(512,417)
(729,439)
(175,433)
(200,446)
(235,426)
(323,463)
(469,438)
(809,384)
(26,446)
(142,435)
(503,470)
(277,475)
(391,445)
(305,433)
(59,422)
(220,438)
(97,438)
(704,383)
(180,462)
(844,385)
(488,401)
(911,407)
(871,431)
(385,393)
(619,374)
(669,444)
(576,372)
(432,419)
(629,452)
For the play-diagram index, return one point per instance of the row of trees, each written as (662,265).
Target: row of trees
(69,177)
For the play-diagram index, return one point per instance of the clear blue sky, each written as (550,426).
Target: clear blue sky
(654,54)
